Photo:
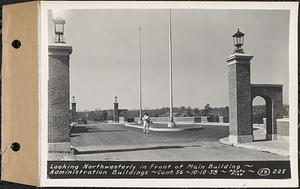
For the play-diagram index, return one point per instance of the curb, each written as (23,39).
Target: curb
(172,129)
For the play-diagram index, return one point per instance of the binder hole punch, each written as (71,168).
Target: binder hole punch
(15,146)
(16,44)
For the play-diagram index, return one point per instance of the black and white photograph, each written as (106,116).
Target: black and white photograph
(169,93)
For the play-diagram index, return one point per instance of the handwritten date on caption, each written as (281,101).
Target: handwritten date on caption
(164,170)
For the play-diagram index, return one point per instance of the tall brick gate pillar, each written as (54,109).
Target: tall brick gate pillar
(240,104)
(116,110)
(73,110)
(59,98)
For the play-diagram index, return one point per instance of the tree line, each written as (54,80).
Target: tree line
(212,113)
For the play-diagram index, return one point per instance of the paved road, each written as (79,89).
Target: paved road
(117,142)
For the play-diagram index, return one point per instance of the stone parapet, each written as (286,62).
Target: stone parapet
(176,119)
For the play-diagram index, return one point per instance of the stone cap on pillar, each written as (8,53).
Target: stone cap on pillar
(60,49)
(240,58)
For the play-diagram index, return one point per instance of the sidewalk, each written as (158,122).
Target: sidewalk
(276,147)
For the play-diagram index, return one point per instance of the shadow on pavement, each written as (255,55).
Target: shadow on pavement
(76,152)
(81,129)
(259,140)
(110,131)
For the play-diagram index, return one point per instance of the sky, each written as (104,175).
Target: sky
(105,58)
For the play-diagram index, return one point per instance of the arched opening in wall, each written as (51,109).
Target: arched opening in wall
(259,120)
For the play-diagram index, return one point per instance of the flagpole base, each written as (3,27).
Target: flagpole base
(171,123)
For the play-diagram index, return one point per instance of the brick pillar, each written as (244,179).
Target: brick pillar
(283,129)
(73,111)
(1,78)
(269,120)
(240,130)
(74,114)
(59,98)
(277,105)
(116,110)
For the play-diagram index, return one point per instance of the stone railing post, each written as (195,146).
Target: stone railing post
(203,119)
(221,120)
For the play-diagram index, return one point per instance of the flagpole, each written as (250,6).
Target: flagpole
(140,75)
(171,121)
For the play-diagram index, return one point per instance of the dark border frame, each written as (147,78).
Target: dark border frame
(9,185)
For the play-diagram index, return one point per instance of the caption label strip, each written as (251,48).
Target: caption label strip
(160,169)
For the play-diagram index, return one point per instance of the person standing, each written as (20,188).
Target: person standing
(146,122)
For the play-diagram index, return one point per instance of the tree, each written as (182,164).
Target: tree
(189,111)
(196,111)
(207,110)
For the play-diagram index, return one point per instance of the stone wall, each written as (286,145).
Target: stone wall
(166,119)
(176,119)
(202,119)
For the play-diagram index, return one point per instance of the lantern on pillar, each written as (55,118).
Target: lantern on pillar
(238,41)
(59,24)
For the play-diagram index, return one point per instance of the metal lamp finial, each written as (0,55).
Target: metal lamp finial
(59,25)
(238,41)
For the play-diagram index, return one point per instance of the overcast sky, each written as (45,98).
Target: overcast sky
(105,57)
